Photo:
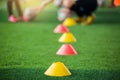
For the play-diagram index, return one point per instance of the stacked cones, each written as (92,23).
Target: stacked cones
(58,69)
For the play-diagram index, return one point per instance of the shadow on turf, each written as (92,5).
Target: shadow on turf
(38,74)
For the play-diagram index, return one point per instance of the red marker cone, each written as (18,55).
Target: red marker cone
(61,29)
(66,49)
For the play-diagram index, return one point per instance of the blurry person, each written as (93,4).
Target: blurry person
(80,7)
(84,9)
(12,17)
(30,13)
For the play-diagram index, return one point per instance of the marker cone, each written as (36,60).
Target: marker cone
(69,22)
(57,69)
(61,29)
(66,49)
(67,37)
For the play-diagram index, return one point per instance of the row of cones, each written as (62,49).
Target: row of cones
(58,69)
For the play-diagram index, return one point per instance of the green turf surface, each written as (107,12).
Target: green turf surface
(28,49)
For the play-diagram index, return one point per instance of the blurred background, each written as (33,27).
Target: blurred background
(103,4)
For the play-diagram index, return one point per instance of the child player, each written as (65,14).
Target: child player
(83,8)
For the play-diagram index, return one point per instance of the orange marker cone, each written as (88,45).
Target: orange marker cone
(67,37)
(69,22)
(117,2)
(66,49)
(61,29)
(57,69)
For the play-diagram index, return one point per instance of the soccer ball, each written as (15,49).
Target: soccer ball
(29,14)
(63,14)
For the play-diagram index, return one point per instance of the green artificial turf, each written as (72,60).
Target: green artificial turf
(28,49)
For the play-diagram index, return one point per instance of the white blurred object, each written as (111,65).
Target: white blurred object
(101,2)
(63,14)
(29,14)
(57,2)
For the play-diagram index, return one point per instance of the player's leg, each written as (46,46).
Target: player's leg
(11,17)
(89,10)
(80,17)
(89,18)
(9,7)
(19,10)
(78,8)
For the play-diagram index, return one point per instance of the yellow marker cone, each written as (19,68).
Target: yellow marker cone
(67,37)
(57,69)
(69,22)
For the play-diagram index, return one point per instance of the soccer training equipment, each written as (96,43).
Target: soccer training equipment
(29,14)
(63,13)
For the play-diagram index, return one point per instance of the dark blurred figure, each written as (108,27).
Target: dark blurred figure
(85,9)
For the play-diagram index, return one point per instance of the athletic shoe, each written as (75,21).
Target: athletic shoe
(12,19)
